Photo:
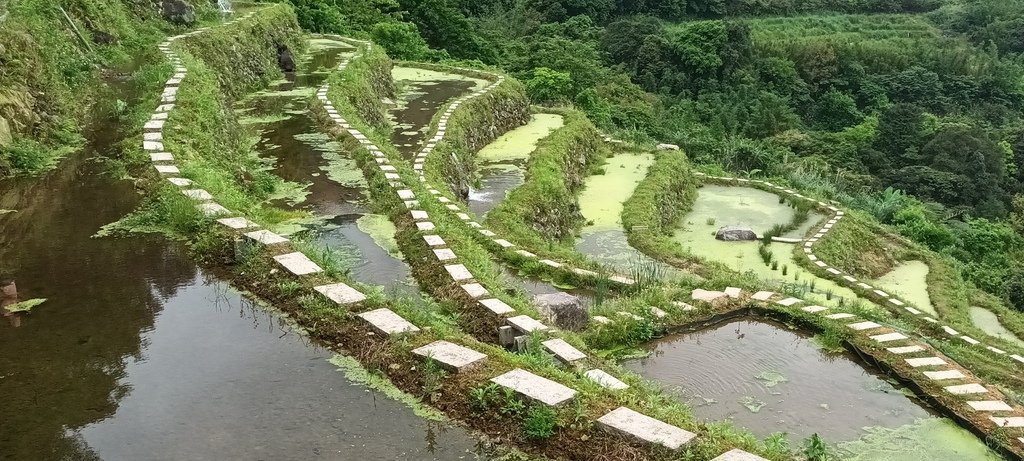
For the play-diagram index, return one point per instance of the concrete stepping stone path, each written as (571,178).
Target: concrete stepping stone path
(526,324)
(266,237)
(341,293)
(451,356)
(563,351)
(638,426)
(738,455)
(386,322)
(606,380)
(964,389)
(298,263)
(535,387)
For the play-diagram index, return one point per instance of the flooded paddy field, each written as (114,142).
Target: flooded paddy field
(421,93)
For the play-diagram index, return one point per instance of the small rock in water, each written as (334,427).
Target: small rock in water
(735,233)
(566,311)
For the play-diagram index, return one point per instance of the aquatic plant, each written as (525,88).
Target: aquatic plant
(752,404)
(24,306)
(815,449)
(711,221)
(765,253)
(775,265)
(540,422)
(785,269)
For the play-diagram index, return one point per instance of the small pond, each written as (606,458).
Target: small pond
(769,379)
(601,204)
(501,162)
(909,280)
(988,322)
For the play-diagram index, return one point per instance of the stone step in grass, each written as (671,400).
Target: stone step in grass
(341,293)
(944,374)
(641,427)
(965,389)
(297,263)
(606,380)
(859,326)
(535,387)
(451,356)
(906,349)
(1012,421)
(989,405)
(563,351)
(237,223)
(497,306)
(266,237)
(526,324)
(386,322)
(738,455)
(889,337)
(925,362)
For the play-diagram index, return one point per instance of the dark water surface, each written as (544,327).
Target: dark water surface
(140,354)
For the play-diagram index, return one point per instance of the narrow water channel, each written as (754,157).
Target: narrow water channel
(421,93)
(140,354)
(336,189)
(767,378)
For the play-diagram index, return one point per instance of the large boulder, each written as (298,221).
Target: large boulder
(178,12)
(566,311)
(735,233)
(284,58)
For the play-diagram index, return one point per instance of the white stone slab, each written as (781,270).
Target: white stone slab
(814,309)
(1012,421)
(864,326)
(683,306)
(451,356)
(657,312)
(410,204)
(197,194)
(906,349)
(888,337)
(387,322)
(912,310)
(434,240)
(738,455)
(503,243)
(526,324)
(154,125)
(622,280)
(419,214)
(762,295)
(820,264)
(839,316)
(525,254)
(406,194)
(237,223)
(535,387)
(583,272)
(882,293)
(458,272)
(341,293)
(152,145)
(970,340)
(996,350)
(606,380)
(944,374)
(153,137)
(548,262)
(833,271)
(424,226)
(950,331)
(964,389)
(1017,358)
(563,351)
(212,209)
(701,294)
(487,233)
(167,169)
(161,157)
(266,237)
(444,254)
(497,306)
(475,290)
(989,405)
(624,421)
(789,302)
(733,292)
(925,362)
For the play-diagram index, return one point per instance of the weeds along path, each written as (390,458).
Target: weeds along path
(416,346)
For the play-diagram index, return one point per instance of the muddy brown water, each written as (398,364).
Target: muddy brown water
(769,379)
(495,183)
(140,354)
(298,145)
(422,101)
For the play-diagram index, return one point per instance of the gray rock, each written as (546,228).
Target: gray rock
(735,233)
(178,12)
(566,311)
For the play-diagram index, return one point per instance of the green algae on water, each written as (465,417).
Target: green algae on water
(771,379)
(988,322)
(752,404)
(25,306)
(382,231)
(927,439)
(517,144)
(602,198)
(355,372)
(909,280)
(415,74)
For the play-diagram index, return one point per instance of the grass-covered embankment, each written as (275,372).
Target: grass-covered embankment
(49,73)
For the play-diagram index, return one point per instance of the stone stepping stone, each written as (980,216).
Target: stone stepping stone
(424,226)
(657,312)
(930,320)
(912,310)
(733,292)
(211,209)
(475,290)
(583,272)
(297,263)
(621,279)
(503,243)
(964,389)
(970,340)
(944,374)
(840,316)
(444,254)
(180,182)
(434,240)
(683,306)
(632,424)
(762,295)
(989,405)
(1012,421)
(406,194)
(889,337)
(738,455)
(605,380)
(548,262)
(833,271)
(451,356)
(860,326)
(237,223)
(410,204)
(387,322)
(197,194)
(153,137)
(925,362)
(950,331)
(458,272)
(820,264)
(814,309)
(497,306)
(996,350)
(154,125)
(487,233)
(896,302)
(526,324)
(167,169)
(535,387)
(525,254)
(563,351)
(419,214)
(153,145)
(1017,358)
(700,294)
(161,157)
(266,237)
(341,293)
(789,302)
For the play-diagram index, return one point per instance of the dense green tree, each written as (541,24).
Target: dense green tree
(835,110)
(548,85)
(444,26)
(400,39)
